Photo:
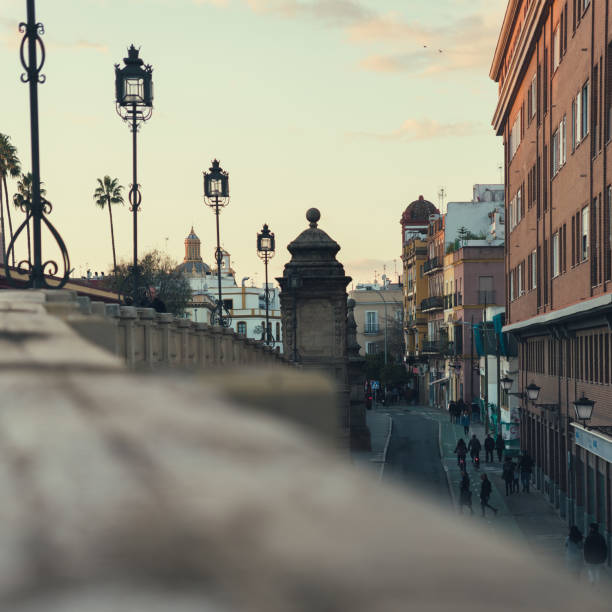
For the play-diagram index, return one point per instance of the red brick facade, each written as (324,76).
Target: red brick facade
(553,64)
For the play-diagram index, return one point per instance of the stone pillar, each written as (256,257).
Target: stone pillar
(144,336)
(360,434)
(313,310)
(126,339)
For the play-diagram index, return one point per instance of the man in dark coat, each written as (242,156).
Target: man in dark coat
(595,553)
(508,475)
(489,445)
(474,447)
(499,446)
(465,495)
(485,493)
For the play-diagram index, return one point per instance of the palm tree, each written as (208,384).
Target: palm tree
(108,192)
(23,200)
(9,165)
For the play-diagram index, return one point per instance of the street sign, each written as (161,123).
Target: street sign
(375,385)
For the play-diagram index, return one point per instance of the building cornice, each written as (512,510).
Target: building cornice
(522,52)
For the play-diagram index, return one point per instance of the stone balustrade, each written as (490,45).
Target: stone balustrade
(146,339)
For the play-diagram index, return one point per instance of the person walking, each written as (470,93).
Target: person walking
(595,553)
(573,551)
(500,446)
(485,494)
(474,447)
(526,467)
(465,421)
(516,476)
(489,445)
(508,475)
(461,452)
(452,407)
(465,494)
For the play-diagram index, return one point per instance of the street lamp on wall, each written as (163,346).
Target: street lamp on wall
(265,251)
(584,409)
(506,383)
(216,196)
(134,104)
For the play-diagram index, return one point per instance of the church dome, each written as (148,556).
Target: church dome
(418,212)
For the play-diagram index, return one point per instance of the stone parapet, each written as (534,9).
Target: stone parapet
(145,339)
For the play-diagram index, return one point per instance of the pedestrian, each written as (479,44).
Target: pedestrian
(526,467)
(485,493)
(508,475)
(573,551)
(452,407)
(465,421)
(465,494)
(595,553)
(461,452)
(489,445)
(474,447)
(515,482)
(500,446)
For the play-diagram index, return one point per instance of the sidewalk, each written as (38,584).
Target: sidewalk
(379,423)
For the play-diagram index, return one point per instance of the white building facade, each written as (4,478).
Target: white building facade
(245,303)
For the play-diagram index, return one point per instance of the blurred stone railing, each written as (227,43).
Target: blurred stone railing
(145,339)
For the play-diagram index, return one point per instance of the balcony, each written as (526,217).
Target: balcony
(452,300)
(486,297)
(431,265)
(371,329)
(435,302)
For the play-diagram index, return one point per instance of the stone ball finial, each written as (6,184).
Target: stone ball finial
(313,215)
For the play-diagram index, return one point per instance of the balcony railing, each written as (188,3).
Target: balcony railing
(486,297)
(435,302)
(371,328)
(431,265)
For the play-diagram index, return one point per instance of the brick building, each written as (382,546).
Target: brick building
(552,64)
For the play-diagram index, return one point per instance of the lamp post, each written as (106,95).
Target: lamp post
(38,207)
(134,104)
(216,196)
(265,251)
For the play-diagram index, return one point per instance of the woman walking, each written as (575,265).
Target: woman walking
(485,493)
(573,551)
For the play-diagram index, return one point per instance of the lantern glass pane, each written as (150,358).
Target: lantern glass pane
(134,90)
(215,186)
(584,410)
(266,244)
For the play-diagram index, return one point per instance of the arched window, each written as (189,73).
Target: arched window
(241,328)
(278,335)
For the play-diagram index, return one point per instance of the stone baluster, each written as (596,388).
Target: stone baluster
(164,321)
(127,316)
(143,336)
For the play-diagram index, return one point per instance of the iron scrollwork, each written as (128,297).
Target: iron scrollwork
(36,208)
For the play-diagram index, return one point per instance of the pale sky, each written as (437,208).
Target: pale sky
(353,106)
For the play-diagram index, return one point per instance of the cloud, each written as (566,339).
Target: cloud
(79,44)
(423,129)
(336,12)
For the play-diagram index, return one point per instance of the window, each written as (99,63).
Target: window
(564,248)
(555,255)
(515,135)
(595,102)
(371,322)
(534,270)
(556,48)
(532,97)
(585,233)
(512,285)
(278,332)
(519,280)
(555,161)
(241,328)
(574,125)
(584,116)
(562,141)
(371,348)
(545,83)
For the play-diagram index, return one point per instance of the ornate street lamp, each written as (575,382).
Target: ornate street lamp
(506,383)
(265,251)
(584,409)
(533,392)
(37,208)
(134,104)
(216,196)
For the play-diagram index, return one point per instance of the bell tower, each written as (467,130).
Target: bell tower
(192,247)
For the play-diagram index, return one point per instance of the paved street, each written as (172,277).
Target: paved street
(413,456)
